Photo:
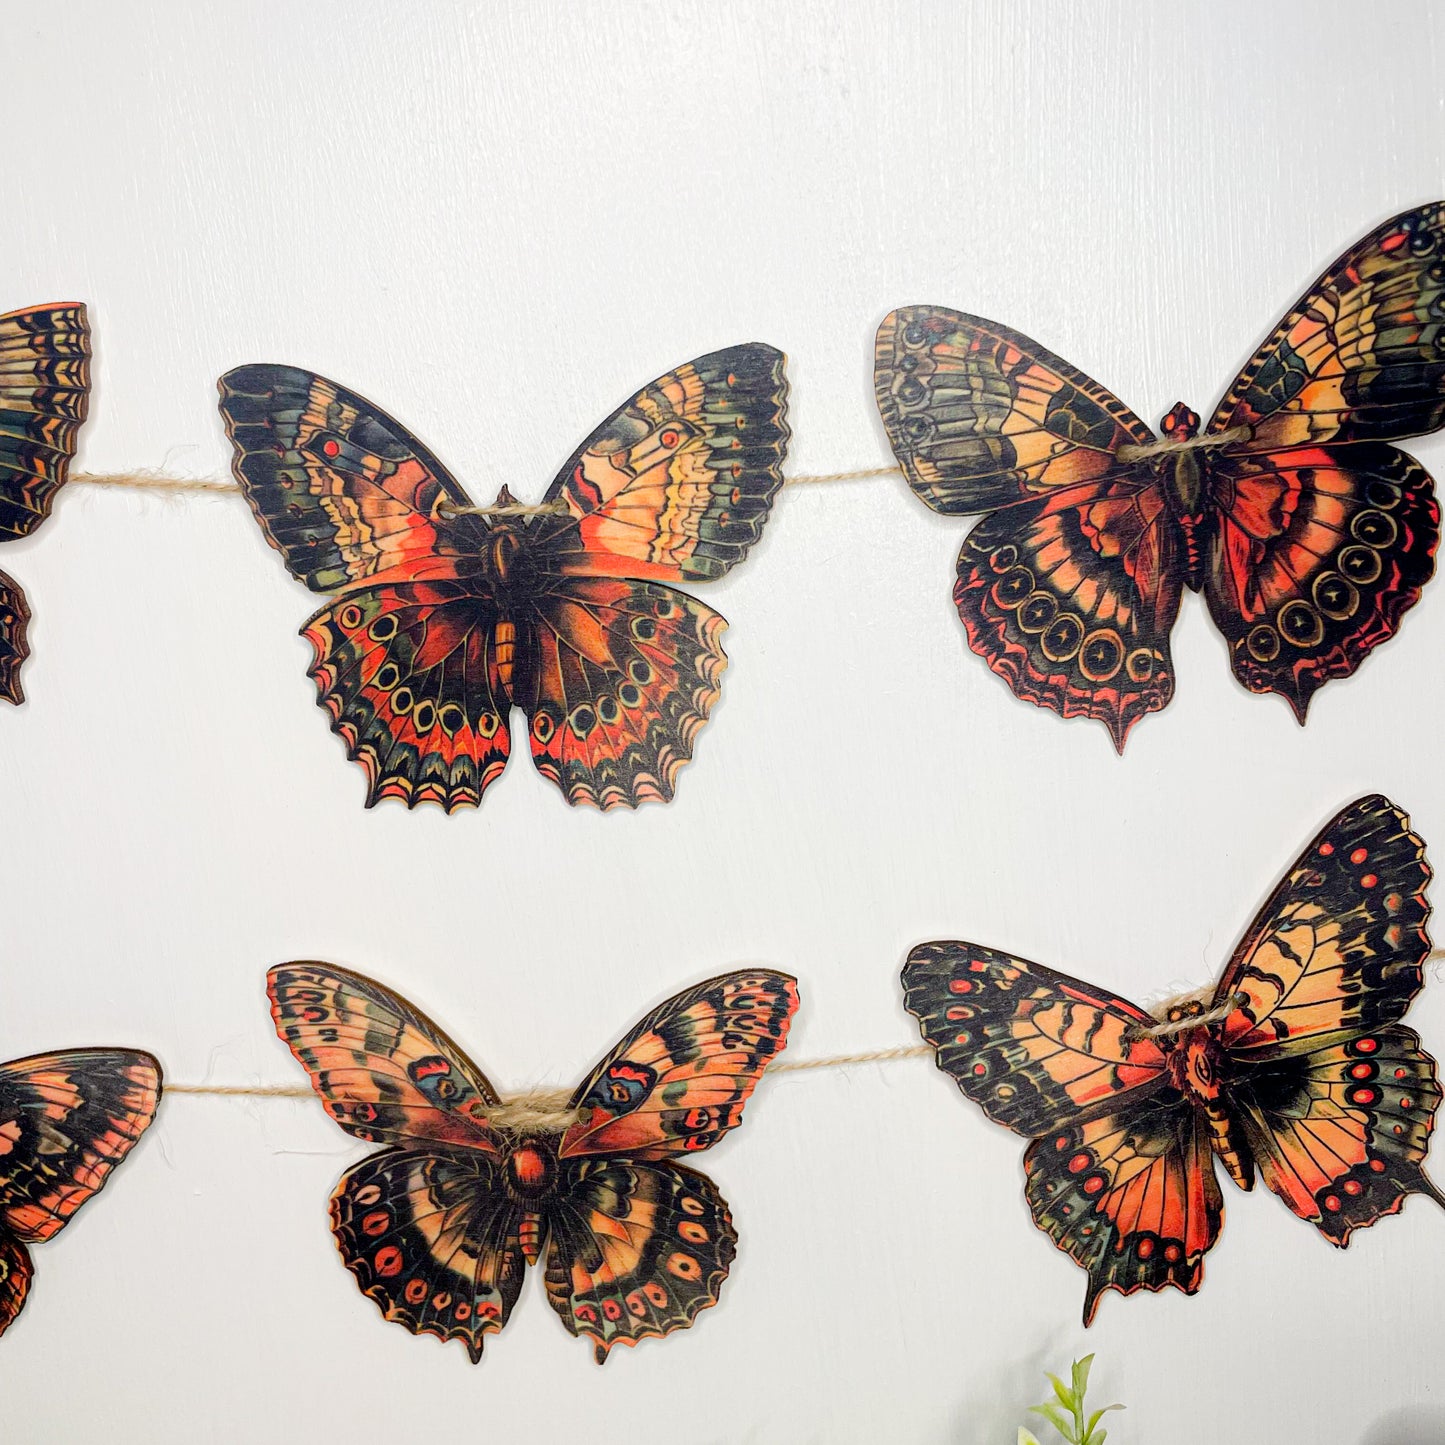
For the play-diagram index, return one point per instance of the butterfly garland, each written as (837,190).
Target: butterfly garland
(443,620)
(44,395)
(439,1226)
(66,1120)
(1308,533)
(1299,1071)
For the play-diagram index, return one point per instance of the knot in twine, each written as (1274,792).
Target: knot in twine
(1170,1027)
(542,1111)
(1136,452)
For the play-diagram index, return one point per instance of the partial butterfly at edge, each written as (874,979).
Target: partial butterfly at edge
(1309,534)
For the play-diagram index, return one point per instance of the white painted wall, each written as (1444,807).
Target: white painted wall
(497,220)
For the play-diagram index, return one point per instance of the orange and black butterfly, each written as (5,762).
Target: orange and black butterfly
(439,1226)
(443,620)
(1300,1068)
(1308,533)
(66,1120)
(44,394)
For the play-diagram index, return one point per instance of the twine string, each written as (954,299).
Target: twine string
(1137,452)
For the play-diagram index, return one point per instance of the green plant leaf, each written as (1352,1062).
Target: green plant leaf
(1027,1437)
(1081,1377)
(1090,1438)
(1056,1417)
(1063,1394)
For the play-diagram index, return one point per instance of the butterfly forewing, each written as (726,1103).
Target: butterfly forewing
(1340,945)
(341,490)
(384,1071)
(679,1080)
(677,484)
(1361,356)
(980,416)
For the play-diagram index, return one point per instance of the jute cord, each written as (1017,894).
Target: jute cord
(150,481)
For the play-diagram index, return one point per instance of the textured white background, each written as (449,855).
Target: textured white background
(497,221)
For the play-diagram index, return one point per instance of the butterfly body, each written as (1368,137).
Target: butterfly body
(1308,532)
(440,1225)
(1297,1072)
(445,616)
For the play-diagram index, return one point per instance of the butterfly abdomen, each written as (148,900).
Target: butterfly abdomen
(1196,1070)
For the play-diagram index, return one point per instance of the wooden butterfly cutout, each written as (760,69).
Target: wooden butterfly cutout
(1307,532)
(1300,1069)
(66,1120)
(439,1226)
(44,395)
(443,620)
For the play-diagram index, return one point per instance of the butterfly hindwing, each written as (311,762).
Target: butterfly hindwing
(1340,1132)
(384,1071)
(341,490)
(1340,944)
(1032,1047)
(980,416)
(678,1081)
(1361,356)
(413,675)
(433,1241)
(626,675)
(14,644)
(1319,551)
(1072,602)
(44,396)
(66,1120)
(636,1249)
(1131,1196)
(677,484)
(15,1274)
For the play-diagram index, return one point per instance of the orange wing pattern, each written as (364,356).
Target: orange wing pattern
(1361,355)
(678,1082)
(636,1250)
(1340,1133)
(384,1071)
(626,675)
(434,1241)
(1132,1197)
(677,484)
(1032,1047)
(1340,945)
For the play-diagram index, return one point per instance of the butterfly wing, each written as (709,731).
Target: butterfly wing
(1336,1098)
(1361,356)
(677,484)
(44,396)
(1340,945)
(635,1250)
(433,1241)
(678,1081)
(1120,1174)
(1070,589)
(980,416)
(626,674)
(14,646)
(1340,1132)
(341,490)
(66,1120)
(412,675)
(384,1071)
(1318,553)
